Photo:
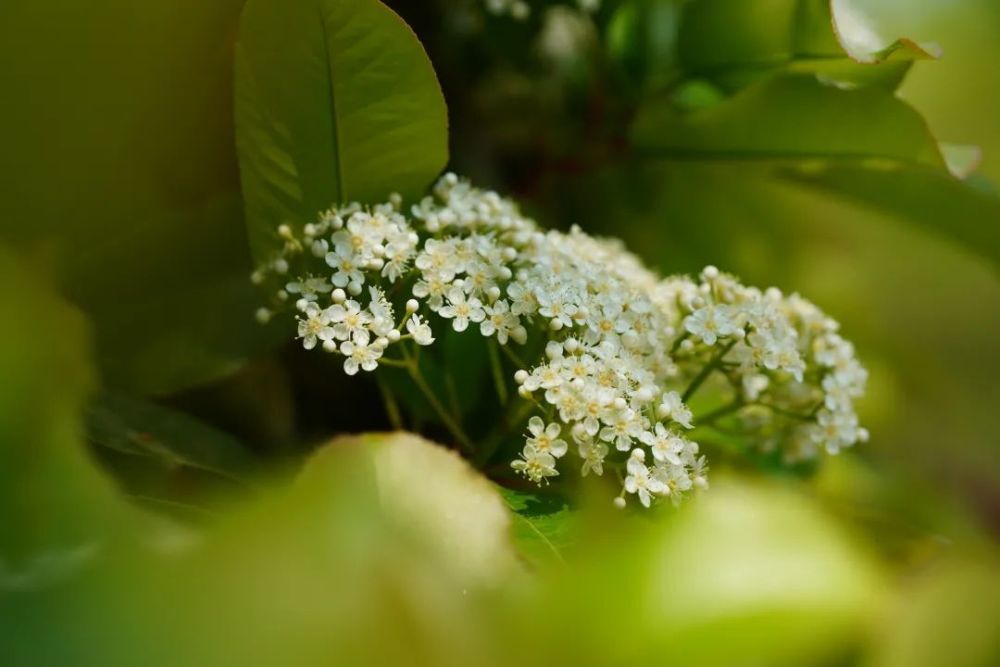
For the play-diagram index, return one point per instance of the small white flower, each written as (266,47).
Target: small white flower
(500,321)
(546,438)
(360,353)
(348,267)
(535,464)
(349,319)
(309,288)
(711,323)
(593,455)
(420,330)
(672,407)
(462,309)
(640,482)
(315,326)
(665,445)
(673,482)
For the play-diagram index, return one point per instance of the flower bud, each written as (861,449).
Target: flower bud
(412,306)
(338,296)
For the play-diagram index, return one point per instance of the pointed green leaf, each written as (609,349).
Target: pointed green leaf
(792,116)
(335,101)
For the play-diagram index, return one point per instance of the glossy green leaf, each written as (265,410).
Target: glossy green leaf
(542,526)
(789,117)
(336,101)
(928,197)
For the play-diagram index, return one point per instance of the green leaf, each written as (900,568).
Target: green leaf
(135,427)
(335,101)
(57,510)
(542,528)
(127,187)
(928,197)
(735,43)
(789,117)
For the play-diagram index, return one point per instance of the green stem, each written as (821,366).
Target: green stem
(389,400)
(714,415)
(706,371)
(449,422)
(497,367)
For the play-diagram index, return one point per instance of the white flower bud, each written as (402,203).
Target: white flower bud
(638,454)
(330,345)
(619,503)
(493,293)
(354,289)
(284,231)
(710,273)
(620,403)
(382,342)
(520,376)
(555,325)
(301,304)
(309,229)
(393,335)
(338,296)
(263,315)
(687,345)
(280,266)
(412,306)
(571,345)
(337,222)
(282,295)
(509,254)
(524,392)
(257,277)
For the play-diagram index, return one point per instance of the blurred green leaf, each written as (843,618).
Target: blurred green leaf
(743,572)
(57,510)
(950,616)
(459,513)
(542,526)
(135,427)
(335,101)
(793,116)
(928,197)
(127,188)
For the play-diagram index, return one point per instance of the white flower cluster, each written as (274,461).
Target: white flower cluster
(623,349)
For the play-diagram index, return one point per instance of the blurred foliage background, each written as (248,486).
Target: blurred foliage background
(150,430)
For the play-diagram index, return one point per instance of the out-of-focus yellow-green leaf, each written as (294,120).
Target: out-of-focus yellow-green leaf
(791,116)
(949,616)
(743,573)
(119,173)
(378,553)
(928,197)
(435,494)
(335,102)
(57,510)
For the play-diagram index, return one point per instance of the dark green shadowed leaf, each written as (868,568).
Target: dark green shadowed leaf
(336,101)
(135,427)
